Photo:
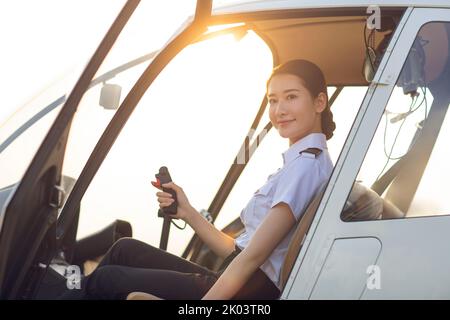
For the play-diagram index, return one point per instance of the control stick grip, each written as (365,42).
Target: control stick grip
(164,177)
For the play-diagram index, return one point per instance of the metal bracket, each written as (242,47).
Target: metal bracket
(57,197)
(207,215)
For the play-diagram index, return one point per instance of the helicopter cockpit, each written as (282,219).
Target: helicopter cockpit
(209,81)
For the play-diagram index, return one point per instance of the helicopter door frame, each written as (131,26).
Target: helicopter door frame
(29,218)
(328,233)
(189,32)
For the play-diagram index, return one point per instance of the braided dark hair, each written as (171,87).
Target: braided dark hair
(313,80)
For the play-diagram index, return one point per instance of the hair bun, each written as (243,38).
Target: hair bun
(328,125)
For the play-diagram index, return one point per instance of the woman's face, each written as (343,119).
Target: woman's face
(293,111)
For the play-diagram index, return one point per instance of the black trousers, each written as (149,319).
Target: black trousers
(131,265)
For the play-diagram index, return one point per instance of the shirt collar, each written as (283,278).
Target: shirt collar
(312,140)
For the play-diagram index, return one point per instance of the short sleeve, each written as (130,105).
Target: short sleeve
(298,185)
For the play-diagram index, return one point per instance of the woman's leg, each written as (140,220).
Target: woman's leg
(131,265)
(134,253)
(116,282)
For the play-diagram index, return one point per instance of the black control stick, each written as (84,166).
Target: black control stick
(161,178)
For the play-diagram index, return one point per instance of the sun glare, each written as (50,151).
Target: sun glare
(211,92)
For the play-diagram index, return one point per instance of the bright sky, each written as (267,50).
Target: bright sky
(41,40)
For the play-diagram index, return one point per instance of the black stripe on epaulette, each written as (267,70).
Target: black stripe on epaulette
(314,151)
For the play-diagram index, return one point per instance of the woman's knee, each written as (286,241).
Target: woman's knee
(124,245)
(127,244)
(116,252)
(125,250)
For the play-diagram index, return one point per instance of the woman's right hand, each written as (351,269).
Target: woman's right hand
(184,209)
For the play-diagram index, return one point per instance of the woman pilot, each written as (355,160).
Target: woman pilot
(299,110)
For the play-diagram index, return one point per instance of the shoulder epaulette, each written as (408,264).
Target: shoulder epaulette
(311,152)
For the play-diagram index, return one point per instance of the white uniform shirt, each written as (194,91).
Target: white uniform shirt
(295,184)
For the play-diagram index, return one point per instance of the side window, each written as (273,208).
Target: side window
(405,171)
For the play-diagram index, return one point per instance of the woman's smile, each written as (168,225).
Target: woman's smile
(284,122)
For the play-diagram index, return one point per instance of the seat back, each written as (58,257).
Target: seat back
(299,237)
(363,204)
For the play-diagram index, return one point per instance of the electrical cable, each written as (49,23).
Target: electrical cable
(177,226)
(407,114)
